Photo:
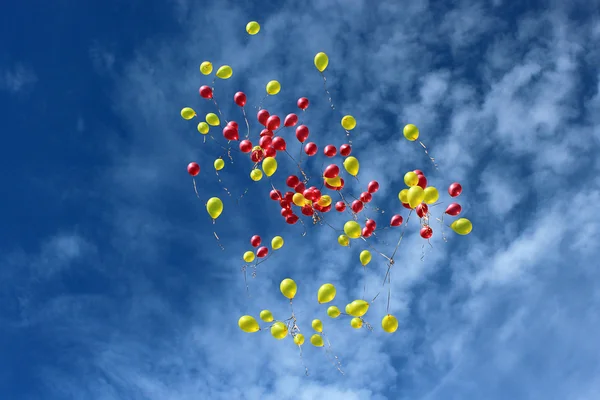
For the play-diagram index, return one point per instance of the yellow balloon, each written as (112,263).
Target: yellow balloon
(358,308)
(252,28)
(206,68)
(356,323)
(333,312)
(403,196)
(326,293)
(299,339)
(219,164)
(324,201)
(277,243)
(321,61)
(212,119)
(334,182)
(266,315)
(187,113)
(349,309)
(365,257)
(273,87)
(351,165)
(389,323)
(269,165)
(348,122)
(279,330)
(411,179)
(256,175)
(299,199)
(248,256)
(352,229)
(411,132)
(343,240)
(203,128)
(462,226)
(317,325)
(288,288)
(316,340)
(415,196)
(214,206)
(431,195)
(224,72)
(248,324)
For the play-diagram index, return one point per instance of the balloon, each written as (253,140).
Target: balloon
(358,308)
(345,150)
(224,72)
(403,196)
(302,133)
(431,195)
(422,181)
(422,210)
(212,119)
(373,187)
(248,324)
(248,256)
(279,330)
(270,152)
(288,288)
(269,165)
(262,116)
(426,232)
(343,240)
(310,149)
(273,123)
(357,206)
(255,241)
(299,339)
(265,141)
(365,257)
(219,164)
(230,133)
(317,325)
(256,175)
(299,199)
(187,113)
(411,132)
(331,171)
(462,226)
(455,189)
(203,128)
(352,229)
(273,87)
(356,323)
(316,340)
(325,200)
(279,143)
(303,103)
(266,315)
(252,28)
(415,196)
(334,182)
(396,220)
(453,209)
(348,122)
(205,92)
(290,120)
(330,150)
(321,61)
(333,312)
(193,169)
(240,99)
(371,224)
(418,172)
(291,219)
(262,252)
(326,293)
(214,206)
(292,181)
(365,197)
(366,232)
(389,323)
(340,206)
(206,68)
(351,165)
(411,179)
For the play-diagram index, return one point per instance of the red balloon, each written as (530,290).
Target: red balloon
(278,143)
(262,252)
(266,132)
(257,156)
(330,150)
(273,123)
(302,133)
(240,99)
(289,196)
(303,103)
(373,187)
(245,146)
(310,148)
(365,197)
(455,189)
(230,133)
(357,206)
(206,92)
(255,241)
(290,120)
(331,171)
(307,210)
(291,219)
(234,124)
(418,172)
(270,152)
(341,185)
(317,207)
(285,203)
(292,181)
(340,206)
(193,169)
(453,209)
(275,194)
(422,181)
(422,210)
(308,194)
(299,188)
(406,205)
(366,232)
(371,224)
(317,194)
(286,211)
(265,141)
(345,150)
(326,208)
(396,220)
(263,116)
(426,232)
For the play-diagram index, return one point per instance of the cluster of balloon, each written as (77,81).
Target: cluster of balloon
(462,226)
(262,253)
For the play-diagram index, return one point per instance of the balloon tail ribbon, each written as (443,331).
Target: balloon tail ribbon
(428,155)
(246,281)
(195,188)
(367,325)
(218,109)
(329,353)
(299,167)
(327,91)
(218,240)
(303,227)
(247,123)
(240,198)
(260,105)
(348,137)
(387,274)
(389,295)
(221,182)
(441,221)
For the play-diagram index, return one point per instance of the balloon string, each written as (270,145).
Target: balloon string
(327,91)
(441,221)
(303,226)
(397,246)
(428,155)
(329,353)
(299,167)
(195,188)
(246,281)
(240,198)
(218,109)
(261,103)
(218,241)
(222,185)
(375,250)
(348,137)
(247,123)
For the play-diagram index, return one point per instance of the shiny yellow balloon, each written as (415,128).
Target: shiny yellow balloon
(415,196)
(299,339)
(288,288)
(214,206)
(333,312)
(462,226)
(203,128)
(348,309)
(213,119)
(324,201)
(219,164)
(321,61)
(248,256)
(317,325)
(252,28)
(269,165)
(411,132)
(248,324)
(326,293)
(299,199)
(316,340)
(352,229)
(277,243)
(206,68)
(343,240)
(431,195)
(389,323)
(351,165)
(411,179)
(365,257)
(348,122)
(334,182)
(403,196)
(256,175)
(358,308)
(266,315)
(224,72)
(356,323)
(279,330)
(273,87)
(187,113)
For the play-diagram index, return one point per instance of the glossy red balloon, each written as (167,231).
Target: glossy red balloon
(240,99)
(422,210)
(330,150)
(234,124)
(275,195)
(266,132)
(257,156)
(366,232)
(326,208)
(289,196)
(262,252)
(291,219)
(365,197)
(278,143)
(302,133)
(345,150)
(255,241)
(286,211)
(373,187)
(426,232)
(371,224)
(230,133)
(270,152)
(300,187)
(290,120)
(263,116)
(331,171)
(357,206)
(453,209)
(206,92)
(311,148)
(406,205)
(317,207)
(418,172)
(340,206)
(245,146)
(292,181)
(422,181)
(455,189)
(273,123)
(285,204)
(307,210)
(265,141)
(396,220)
(193,169)
(303,103)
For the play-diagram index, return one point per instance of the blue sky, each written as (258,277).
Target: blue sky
(112,285)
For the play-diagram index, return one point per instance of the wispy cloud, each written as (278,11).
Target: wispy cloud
(17,78)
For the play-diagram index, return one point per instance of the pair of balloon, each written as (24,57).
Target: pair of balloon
(351,165)
(224,71)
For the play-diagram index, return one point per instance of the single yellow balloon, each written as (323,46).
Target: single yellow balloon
(273,87)
(266,315)
(299,339)
(352,229)
(321,61)
(288,288)
(324,201)
(256,175)
(224,72)
(348,309)
(403,196)
(269,165)
(299,199)
(358,308)
(415,196)
(187,113)
(279,330)
(252,28)
(411,132)
(462,226)
(333,312)
(351,165)
(316,340)
(277,243)
(214,206)
(317,325)
(248,256)
(206,68)
(248,324)
(326,293)
(334,182)
(343,240)
(430,195)
(213,119)
(365,257)
(356,323)
(203,128)
(389,323)
(219,164)
(348,122)
(411,179)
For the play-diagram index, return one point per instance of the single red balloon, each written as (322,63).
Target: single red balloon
(340,206)
(453,209)
(206,92)
(406,205)
(263,116)
(331,171)
(290,120)
(257,156)
(330,150)
(285,204)
(265,141)
(275,195)
(262,252)
(270,152)
(365,197)
(240,99)
(292,181)
(302,133)
(422,181)
(345,150)
(255,241)
(234,124)
(308,194)
(291,219)
(286,211)
(278,143)
(426,232)
(300,187)
(373,187)
(193,169)
(366,232)
(396,220)
(307,210)
(422,210)
(266,132)
(310,148)
(230,133)
(418,172)
(371,224)
(455,189)
(302,103)
(357,206)
(273,123)
(245,146)
(326,208)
